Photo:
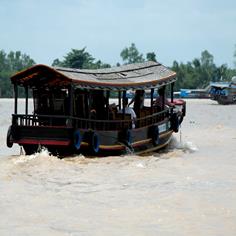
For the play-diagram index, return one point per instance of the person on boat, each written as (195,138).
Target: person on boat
(138,100)
(129,110)
(98,103)
(161,98)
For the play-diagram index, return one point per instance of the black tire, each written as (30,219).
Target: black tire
(184,110)
(155,135)
(77,139)
(94,142)
(125,137)
(175,122)
(9,138)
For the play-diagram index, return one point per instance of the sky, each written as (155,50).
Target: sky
(174,30)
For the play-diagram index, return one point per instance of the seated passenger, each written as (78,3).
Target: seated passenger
(112,111)
(129,110)
(93,114)
(159,100)
(98,103)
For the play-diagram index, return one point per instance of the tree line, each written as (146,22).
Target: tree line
(197,73)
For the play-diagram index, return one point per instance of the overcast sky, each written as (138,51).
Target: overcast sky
(174,30)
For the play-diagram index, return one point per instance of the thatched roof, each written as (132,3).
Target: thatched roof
(134,76)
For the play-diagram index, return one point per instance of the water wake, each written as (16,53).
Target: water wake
(42,154)
(186,146)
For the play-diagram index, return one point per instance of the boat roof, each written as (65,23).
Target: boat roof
(133,76)
(220,84)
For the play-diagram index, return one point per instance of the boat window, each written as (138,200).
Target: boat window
(50,102)
(41,102)
(81,103)
(59,99)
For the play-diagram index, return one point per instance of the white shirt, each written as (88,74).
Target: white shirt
(129,110)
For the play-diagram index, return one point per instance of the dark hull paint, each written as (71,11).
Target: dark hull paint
(226,100)
(61,140)
(139,148)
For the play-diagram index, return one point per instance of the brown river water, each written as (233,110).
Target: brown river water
(187,189)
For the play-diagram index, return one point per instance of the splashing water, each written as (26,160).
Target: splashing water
(42,154)
(140,165)
(183,145)
(189,146)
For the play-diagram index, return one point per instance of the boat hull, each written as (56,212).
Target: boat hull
(65,141)
(225,100)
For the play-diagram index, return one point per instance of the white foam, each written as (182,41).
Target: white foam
(187,146)
(190,146)
(140,165)
(184,145)
(43,153)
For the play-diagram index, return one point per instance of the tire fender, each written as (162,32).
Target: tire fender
(125,137)
(155,135)
(94,142)
(9,138)
(77,139)
(175,122)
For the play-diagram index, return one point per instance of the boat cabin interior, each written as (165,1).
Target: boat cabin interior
(95,109)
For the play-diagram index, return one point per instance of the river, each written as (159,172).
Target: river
(187,189)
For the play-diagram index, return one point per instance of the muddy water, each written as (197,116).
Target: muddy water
(187,189)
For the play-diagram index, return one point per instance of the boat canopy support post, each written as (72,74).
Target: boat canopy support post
(71,103)
(26,99)
(163,98)
(152,92)
(172,91)
(123,105)
(89,108)
(107,103)
(119,98)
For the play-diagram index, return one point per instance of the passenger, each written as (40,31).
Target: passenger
(161,98)
(138,100)
(98,103)
(112,111)
(129,110)
(93,114)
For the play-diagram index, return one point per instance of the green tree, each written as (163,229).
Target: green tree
(200,72)
(131,55)
(206,59)
(10,64)
(151,56)
(79,59)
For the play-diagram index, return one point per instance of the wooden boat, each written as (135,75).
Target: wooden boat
(224,92)
(76,111)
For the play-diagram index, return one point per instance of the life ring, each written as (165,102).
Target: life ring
(125,137)
(9,138)
(94,142)
(175,122)
(77,139)
(155,135)
(128,136)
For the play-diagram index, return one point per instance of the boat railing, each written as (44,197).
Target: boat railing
(40,120)
(83,123)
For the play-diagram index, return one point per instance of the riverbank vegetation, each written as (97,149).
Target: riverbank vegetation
(197,73)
